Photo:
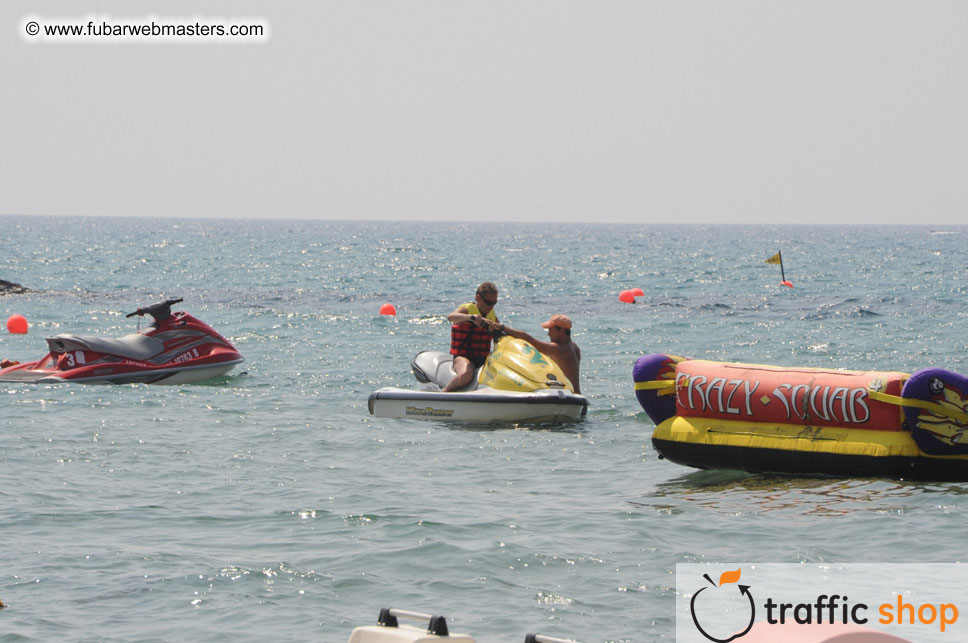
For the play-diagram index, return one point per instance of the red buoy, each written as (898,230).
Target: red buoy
(638,292)
(626,297)
(388,309)
(17,324)
(788,284)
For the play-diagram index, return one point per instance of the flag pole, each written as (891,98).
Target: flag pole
(778,258)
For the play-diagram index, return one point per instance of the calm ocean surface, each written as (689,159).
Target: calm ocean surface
(269,505)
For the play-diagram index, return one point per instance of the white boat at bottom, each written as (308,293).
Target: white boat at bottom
(389,630)
(483,404)
(516,384)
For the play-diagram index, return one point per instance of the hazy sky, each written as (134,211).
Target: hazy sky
(824,111)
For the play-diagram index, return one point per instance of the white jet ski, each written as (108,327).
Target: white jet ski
(516,384)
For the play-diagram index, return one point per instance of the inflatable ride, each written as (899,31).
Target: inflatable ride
(716,415)
(516,384)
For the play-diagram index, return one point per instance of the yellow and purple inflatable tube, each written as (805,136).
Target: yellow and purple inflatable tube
(806,421)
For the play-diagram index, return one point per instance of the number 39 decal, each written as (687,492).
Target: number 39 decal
(75,358)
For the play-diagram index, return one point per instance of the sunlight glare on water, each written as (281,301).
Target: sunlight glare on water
(269,504)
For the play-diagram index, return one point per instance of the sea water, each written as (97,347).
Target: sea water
(269,504)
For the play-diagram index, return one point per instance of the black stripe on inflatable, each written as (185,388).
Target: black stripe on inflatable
(806,463)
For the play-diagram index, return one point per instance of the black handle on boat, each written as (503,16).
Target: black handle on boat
(541,638)
(436,624)
(160,312)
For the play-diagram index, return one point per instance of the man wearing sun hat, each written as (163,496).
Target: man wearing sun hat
(561,349)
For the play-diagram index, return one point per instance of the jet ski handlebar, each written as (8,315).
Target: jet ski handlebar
(437,624)
(160,312)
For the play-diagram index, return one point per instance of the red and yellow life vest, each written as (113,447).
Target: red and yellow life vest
(467,340)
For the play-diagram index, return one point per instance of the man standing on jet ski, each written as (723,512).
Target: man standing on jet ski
(470,336)
(561,349)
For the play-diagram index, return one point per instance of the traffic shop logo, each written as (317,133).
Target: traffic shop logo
(725,611)
(727,596)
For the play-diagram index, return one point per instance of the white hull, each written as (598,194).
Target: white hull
(480,405)
(175,375)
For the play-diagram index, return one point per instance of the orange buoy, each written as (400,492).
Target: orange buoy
(626,297)
(638,292)
(17,324)
(388,309)
(788,284)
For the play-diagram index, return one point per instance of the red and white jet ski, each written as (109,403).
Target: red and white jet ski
(175,349)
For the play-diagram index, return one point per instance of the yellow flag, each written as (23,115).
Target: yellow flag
(774,259)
